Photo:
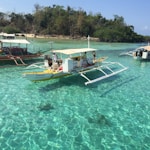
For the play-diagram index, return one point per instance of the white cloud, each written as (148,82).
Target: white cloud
(146,28)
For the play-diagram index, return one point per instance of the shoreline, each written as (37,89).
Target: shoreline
(61,37)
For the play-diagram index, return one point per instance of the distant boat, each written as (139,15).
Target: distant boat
(140,53)
(7,36)
(17,54)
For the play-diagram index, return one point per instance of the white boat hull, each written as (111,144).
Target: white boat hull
(142,53)
(41,76)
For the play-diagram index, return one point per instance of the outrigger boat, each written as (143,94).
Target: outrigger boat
(77,61)
(17,54)
(7,36)
(141,53)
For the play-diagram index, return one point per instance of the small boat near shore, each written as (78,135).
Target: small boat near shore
(16,51)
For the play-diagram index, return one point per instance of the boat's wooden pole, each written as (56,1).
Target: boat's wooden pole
(88,41)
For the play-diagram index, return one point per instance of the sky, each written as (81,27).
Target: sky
(134,12)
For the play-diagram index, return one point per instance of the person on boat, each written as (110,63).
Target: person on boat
(85,62)
(48,60)
(25,51)
(55,57)
(94,55)
(84,56)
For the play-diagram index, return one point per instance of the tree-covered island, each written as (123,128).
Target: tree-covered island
(56,20)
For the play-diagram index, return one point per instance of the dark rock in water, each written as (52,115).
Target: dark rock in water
(99,119)
(46,107)
(91,120)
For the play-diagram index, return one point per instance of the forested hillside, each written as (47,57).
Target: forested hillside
(56,20)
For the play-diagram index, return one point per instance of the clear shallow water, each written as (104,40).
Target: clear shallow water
(65,114)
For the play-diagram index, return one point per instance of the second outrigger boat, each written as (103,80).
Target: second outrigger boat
(140,53)
(16,50)
(75,61)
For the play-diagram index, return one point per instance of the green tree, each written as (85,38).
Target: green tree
(56,20)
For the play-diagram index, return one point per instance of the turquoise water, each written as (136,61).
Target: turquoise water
(64,114)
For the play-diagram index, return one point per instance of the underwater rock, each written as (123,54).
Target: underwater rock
(99,119)
(46,107)
(91,120)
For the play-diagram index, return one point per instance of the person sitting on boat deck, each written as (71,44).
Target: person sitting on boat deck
(85,60)
(48,60)
(25,51)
